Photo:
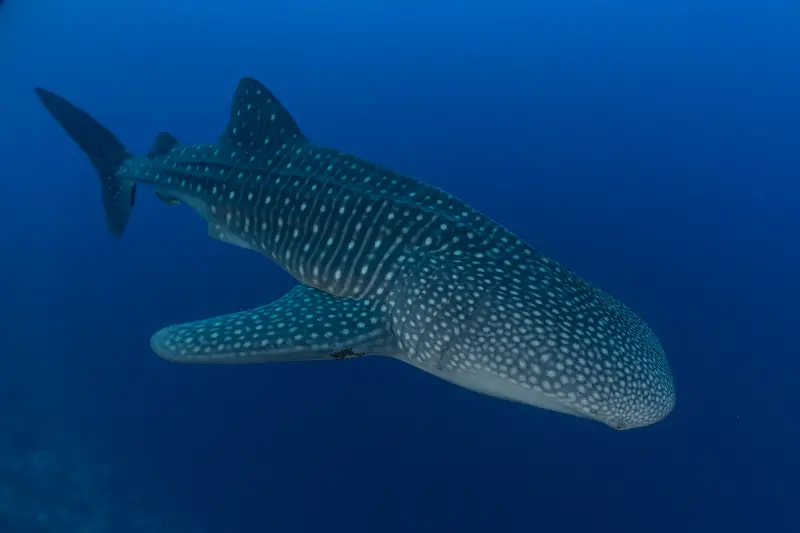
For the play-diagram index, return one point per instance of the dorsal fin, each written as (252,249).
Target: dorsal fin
(258,120)
(164,143)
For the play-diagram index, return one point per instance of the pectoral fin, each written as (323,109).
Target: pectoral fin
(305,324)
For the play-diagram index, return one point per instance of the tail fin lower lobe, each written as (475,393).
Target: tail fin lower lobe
(106,153)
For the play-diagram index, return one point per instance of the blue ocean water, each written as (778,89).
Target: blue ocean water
(651,147)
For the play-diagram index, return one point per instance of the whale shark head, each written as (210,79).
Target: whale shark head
(514,324)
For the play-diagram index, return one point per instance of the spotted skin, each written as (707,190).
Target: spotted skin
(389,265)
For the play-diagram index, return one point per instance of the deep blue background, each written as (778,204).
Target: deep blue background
(653,147)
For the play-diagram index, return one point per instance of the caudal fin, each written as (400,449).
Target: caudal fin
(105,152)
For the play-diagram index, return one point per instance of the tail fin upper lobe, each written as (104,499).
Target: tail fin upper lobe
(105,152)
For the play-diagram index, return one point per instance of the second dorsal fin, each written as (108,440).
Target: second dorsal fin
(258,120)
(163,144)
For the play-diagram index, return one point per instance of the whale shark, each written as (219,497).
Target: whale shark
(386,265)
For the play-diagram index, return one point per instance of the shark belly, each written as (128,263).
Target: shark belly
(500,387)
